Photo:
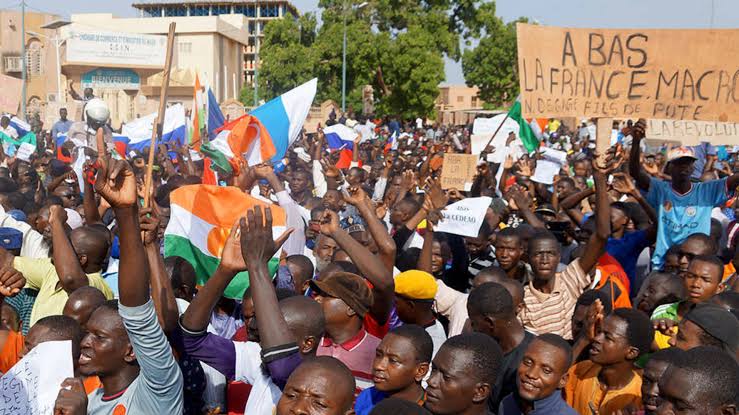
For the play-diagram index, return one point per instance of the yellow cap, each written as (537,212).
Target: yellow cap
(415,285)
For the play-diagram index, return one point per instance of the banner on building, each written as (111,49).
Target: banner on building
(111,78)
(629,73)
(116,48)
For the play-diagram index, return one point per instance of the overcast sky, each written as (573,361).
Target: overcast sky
(575,13)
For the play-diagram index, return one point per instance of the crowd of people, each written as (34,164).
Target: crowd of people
(613,290)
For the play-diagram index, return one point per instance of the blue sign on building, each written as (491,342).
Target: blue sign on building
(111,78)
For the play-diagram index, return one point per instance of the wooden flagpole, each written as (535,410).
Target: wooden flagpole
(159,122)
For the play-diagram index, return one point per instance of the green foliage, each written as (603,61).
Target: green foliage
(405,40)
(493,64)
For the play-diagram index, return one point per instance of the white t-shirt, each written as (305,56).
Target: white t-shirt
(264,393)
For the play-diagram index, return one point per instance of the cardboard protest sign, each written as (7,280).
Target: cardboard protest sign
(464,217)
(10,98)
(458,171)
(693,132)
(629,73)
(32,385)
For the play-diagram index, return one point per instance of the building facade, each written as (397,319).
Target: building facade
(42,83)
(457,104)
(257,12)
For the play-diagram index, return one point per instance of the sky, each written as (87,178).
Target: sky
(658,14)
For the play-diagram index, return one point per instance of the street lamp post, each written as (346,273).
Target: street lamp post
(343,59)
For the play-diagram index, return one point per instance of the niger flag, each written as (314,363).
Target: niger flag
(201,218)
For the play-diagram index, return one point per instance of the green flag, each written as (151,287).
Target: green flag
(526,134)
(29,138)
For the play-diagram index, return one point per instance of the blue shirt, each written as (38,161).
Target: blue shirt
(626,251)
(60,127)
(367,400)
(680,216)
(551,405)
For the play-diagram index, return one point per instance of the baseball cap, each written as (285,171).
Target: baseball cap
(416,285)
(718,322)
(350,288)
(11,238)
(18,215)
(681,152)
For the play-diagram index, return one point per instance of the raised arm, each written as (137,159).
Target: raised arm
(635,169)
(68,268)
(161,288)
(369,265)
(92,214)
(356,196)
(257,247)
(117,184)
(597,243)
(523,202)
(623,184)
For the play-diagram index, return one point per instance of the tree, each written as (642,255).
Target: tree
(287,56)
(492,65)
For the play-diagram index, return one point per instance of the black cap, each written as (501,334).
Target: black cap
(718,322)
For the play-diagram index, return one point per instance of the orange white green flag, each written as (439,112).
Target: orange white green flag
(201,218)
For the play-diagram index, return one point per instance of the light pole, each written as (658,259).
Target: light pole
(343,59)
(257,14)
(58,40)
(23,58)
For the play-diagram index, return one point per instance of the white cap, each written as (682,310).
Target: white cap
(74,220)
(97,110)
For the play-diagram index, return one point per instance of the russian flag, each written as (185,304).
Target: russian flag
(341,138)
(119,140)
(20,126)
(174,129)
(265,134)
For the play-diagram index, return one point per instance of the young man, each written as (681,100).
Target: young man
(541,375)
(550,298)
(700,282)
(463,375)
(320,386)
(509,250)
(704,381)
(693,246)
(491,312)
(414,301)
(609,380)
(345,299)
(654,369)
(659,288)
(401,362)
(708,325)
(77,262)
(81,303)
(125,346)
(683,207)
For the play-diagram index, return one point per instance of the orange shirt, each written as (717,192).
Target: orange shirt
(92,383)
(612,277)
(10,351)
(583,389)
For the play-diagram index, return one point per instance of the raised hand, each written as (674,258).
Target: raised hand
(232,258)
(521,198)
(263,171)
(149,222)
(409,180)
(329,222)
(639,129)
(593,320)
(524,168)
(623,184)
(57,214)
(664,326)
(437,196)
(115,180)
(257,245)
(72,399)
(11,281)
(355,195)
(329,170)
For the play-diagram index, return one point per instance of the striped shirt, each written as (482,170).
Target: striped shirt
(357,354)
(552,313)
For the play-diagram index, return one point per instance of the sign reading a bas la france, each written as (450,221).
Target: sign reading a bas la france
(111,78)
(629,73)
(458,171)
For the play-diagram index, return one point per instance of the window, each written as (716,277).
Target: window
(199,10)
(474,102)
(269,11)
(248,11)
(184,47)
(13,64)
(33,57)
(252,25)
(153,11)
(221,9)
(460,99)
(175,11)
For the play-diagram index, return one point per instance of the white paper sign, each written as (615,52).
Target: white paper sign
(25,151)
(32,385)
(545,171)
(556,156)
(464,217)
